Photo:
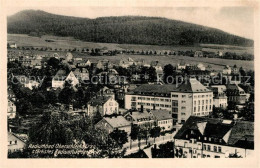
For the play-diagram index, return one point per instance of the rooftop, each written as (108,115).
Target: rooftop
(191,85)
(162,114)
(117,122)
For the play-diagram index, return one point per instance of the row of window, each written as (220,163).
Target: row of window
(215,148)
(152,99)
(199,96)
(201,108)
(152,104)
(202,102)
(164,122)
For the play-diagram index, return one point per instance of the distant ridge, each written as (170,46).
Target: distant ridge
(123,29)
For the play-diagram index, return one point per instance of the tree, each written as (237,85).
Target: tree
(67,95)
(53,62)
(97,117)
(134,133)
(120,136)
(152,74)
(155,132)
(168,70)
(247,112)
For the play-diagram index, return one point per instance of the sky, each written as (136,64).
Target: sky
(234,20)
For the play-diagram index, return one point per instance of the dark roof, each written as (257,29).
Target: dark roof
(117,122)
(234,132)
(154,88)
(162,114)
(98,101)
(60,74)
(192,85)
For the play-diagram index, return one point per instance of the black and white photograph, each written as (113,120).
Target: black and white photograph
(130,82)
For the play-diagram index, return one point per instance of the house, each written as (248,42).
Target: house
(81,74)
(58,81)
(236,94)
(201,67)
(163,118)
(26,82)
(69,57)
(235,69)
(158,71)
(11,109)
(181,65)
(103,105)
(201,137)
(112,123)
(219,96)
(84,64)
(106,92)
(15,143)
(125,63)
(12,45)
(141,118)
(36,63)
(10,94)
(226,70)
(198,54)
(191,98)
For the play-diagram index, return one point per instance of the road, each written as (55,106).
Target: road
(158,140)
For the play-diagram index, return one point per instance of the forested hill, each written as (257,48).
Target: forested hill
(126,29)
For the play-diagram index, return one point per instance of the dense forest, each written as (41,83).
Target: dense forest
(125,29)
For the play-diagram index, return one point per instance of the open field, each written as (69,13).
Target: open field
(70,43)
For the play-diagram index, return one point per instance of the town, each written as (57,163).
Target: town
(127,108)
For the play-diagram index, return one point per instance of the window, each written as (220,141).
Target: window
(183,96)
(203,96)
(216,156)
(204,147)
(139,98)
(175,103)
(174,109)
(202,109)
(215,149)
(205,138)
(162,99)
(174,95)
(199,109)
(207,101)
(183,101)
(209,139)
(182,113)
(199,102)
(194,109)
(183,107)
(219,149)
(148,98)
(208,147)
(195,97)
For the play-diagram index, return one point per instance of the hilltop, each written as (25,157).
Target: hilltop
(122,30)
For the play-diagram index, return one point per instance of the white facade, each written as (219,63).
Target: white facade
(59,82)
(220,102)
(109,107)
(11,110)
(193,149)
(135,102)
(166,124)
(186,104)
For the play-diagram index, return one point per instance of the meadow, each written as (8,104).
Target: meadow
(70,43)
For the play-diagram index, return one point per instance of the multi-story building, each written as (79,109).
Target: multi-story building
(191,98)
(163,119)
(150,96)
(103,105)
(142,118)
(236,94)
(219,96)
(226,70)
(202,137)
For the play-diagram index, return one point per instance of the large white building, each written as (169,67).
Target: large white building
(150,96)
(61,77)
(202,137)
(191,98)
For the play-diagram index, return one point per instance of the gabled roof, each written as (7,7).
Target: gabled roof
(61,74)
(137,116)
(232,132)
(99,100)
(234,87)
(117,122)
(192,85)
(161,114)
